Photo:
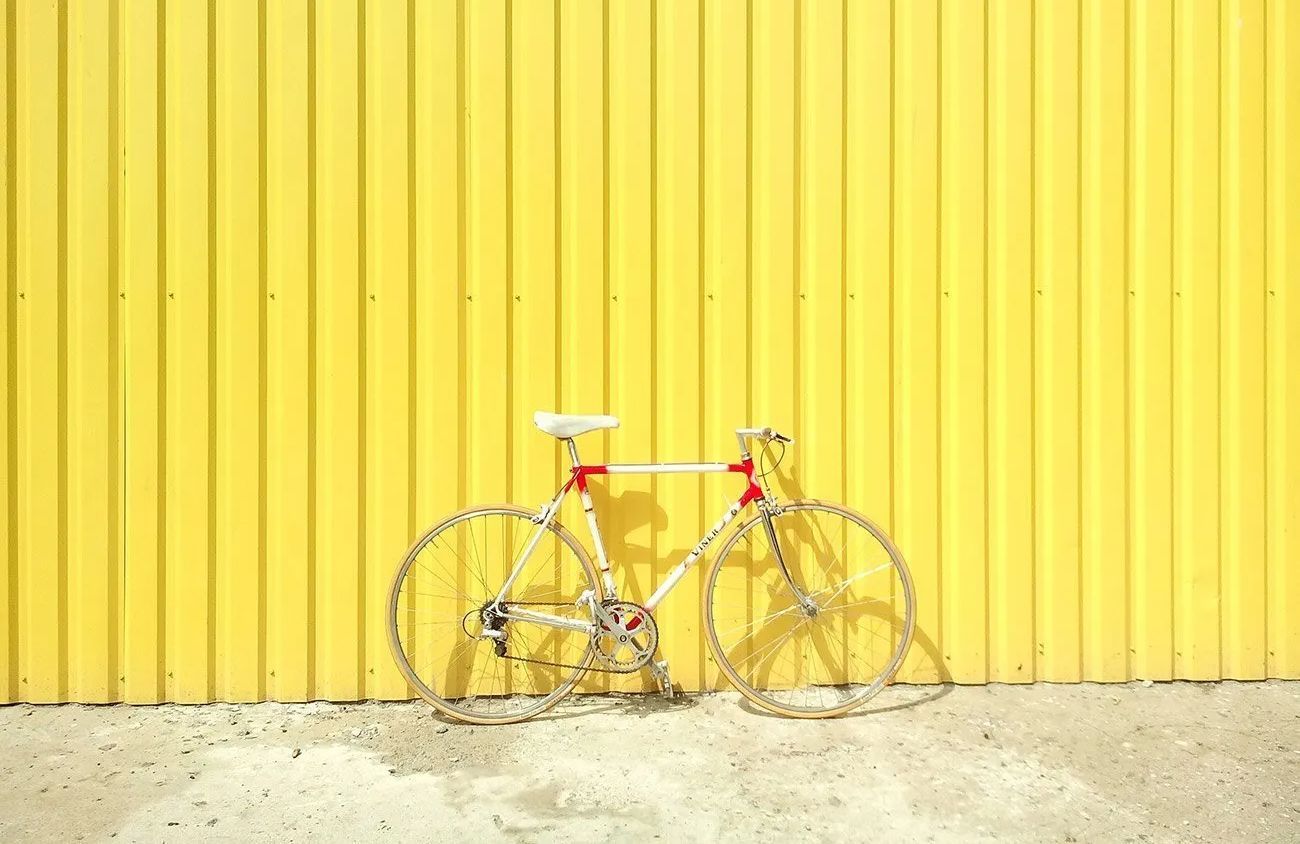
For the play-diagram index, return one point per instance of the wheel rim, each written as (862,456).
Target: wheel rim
(439,607)
(833,658)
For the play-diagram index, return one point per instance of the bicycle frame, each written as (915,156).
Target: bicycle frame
(578,478)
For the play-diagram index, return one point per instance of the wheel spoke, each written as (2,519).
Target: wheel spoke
(461,673)
(830,659)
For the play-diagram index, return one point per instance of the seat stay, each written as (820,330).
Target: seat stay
(547,516)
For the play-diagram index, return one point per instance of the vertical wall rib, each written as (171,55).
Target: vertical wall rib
(283,283)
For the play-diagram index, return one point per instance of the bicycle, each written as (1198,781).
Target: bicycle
(467,627)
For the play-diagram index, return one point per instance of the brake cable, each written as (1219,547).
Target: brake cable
(764,454)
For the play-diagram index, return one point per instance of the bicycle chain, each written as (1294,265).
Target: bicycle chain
(559,664)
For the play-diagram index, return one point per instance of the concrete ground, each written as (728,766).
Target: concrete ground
(1169,762)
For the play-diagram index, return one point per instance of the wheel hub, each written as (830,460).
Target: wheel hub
(491,626)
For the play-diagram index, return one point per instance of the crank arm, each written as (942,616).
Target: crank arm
(597,611)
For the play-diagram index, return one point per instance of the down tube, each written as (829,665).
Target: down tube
(685,565)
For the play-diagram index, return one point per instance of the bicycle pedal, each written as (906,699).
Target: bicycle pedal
(659,670)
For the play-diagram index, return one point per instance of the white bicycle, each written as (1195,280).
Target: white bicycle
(496,612)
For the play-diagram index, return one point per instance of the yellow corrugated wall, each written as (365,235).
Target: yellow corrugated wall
(285,280)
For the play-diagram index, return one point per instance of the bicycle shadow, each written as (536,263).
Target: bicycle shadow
(640,568)
(619,516)
(584,702)
(788,484)
(635,566)
(876,706)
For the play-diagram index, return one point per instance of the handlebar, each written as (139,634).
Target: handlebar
(763,434)
(769,434)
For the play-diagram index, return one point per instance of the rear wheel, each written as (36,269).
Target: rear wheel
(825,655)
(460,652)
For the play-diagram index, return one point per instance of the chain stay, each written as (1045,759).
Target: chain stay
(560,664)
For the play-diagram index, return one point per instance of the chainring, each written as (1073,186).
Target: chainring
(630,642)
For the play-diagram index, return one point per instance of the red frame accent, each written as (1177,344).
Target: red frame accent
(746,468)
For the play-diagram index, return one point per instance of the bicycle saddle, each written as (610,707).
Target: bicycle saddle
(565,425)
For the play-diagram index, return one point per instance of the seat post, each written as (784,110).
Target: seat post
(573,451)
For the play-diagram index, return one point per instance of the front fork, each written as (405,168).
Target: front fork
(807,604)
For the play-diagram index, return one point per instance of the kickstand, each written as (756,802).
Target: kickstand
(659,670)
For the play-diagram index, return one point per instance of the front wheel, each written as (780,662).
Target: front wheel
(826,634)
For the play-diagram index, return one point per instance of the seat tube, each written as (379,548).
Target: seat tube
(589,509)
(596,539)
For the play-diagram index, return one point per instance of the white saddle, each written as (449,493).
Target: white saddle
(564,425)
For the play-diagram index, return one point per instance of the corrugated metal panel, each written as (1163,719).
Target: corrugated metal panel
(284,282)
